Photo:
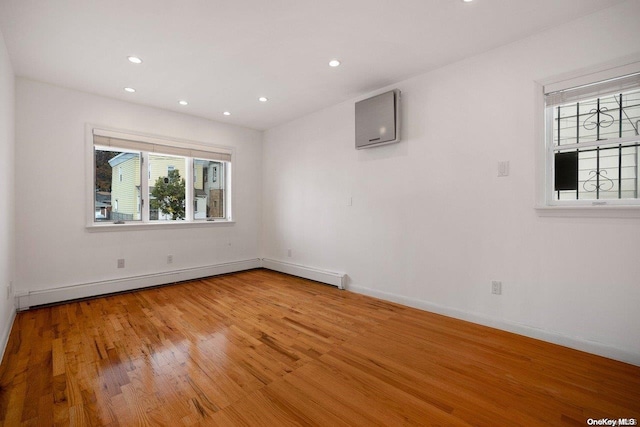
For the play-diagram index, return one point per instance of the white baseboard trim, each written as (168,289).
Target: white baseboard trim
(323,276)
(505,325)
(85,290)
(4,338)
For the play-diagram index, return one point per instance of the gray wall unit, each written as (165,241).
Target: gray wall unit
(378,120)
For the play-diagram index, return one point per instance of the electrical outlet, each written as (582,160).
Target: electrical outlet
(289,253)
(121,263)
(503,168)
(169,259)
(496,287)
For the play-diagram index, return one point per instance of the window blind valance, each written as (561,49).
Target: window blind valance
(593,90)
(114,139)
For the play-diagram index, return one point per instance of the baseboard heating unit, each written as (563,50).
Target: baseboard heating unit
(323,276)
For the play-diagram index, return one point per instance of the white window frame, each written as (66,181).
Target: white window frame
(162,145)
(546,204)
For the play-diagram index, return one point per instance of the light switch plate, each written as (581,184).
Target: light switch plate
(503,168)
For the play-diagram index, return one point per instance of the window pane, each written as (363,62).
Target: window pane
(117,185)
(208,189)
(605,172)
(166,187)
(598,119)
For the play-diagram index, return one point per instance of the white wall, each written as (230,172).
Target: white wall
(53,247)
(7,192)
(431,223)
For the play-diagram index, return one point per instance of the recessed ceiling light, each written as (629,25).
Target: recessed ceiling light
(467,1)
(134,59)
(226,113)
(183,103)
(263,99)
(334,63)
(129,89)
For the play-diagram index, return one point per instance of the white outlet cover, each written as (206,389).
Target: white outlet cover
(496,287)
(503,168)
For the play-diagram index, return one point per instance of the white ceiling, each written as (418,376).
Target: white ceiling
(222,55)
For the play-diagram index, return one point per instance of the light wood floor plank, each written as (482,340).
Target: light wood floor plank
(266,349)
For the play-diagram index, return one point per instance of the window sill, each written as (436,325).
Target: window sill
(156,225)
(610,211)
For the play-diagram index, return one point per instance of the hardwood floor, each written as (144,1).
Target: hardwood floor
(262,348)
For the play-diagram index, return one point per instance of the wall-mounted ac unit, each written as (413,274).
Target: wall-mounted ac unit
(378,120)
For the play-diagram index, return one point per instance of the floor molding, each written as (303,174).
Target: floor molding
(4,339)
(34,298)
(323,276)
(505,325)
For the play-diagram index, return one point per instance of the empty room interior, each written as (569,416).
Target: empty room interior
(420,212)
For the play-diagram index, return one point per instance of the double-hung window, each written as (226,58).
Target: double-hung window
(593,143)
(141,179)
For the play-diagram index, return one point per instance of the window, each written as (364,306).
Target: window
(153,181)
(167,193)
(593,143)
(209,196)
(116,177)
